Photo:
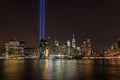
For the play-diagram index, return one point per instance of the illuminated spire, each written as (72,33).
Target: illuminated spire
(73,41)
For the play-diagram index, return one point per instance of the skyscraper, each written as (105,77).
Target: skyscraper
(73,42)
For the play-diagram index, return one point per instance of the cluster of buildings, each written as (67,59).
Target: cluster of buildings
(114,50)
(15,49)
(69,49)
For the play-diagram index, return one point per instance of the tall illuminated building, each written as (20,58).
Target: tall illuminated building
(68,47)
(73,41)
(42,20)
(68,43)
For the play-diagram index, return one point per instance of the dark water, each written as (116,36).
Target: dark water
(60,69)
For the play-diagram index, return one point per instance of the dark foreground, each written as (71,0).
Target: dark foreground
(60,69)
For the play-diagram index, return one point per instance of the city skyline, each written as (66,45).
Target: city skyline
(98,21)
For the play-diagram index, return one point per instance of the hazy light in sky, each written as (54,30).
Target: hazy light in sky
(42,20)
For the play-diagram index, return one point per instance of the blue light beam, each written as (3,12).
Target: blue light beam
(42,20)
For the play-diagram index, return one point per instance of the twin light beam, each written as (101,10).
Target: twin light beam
(42,20)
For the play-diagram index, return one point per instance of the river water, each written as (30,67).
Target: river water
(60,69)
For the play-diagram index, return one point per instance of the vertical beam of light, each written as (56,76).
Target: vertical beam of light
(42,20)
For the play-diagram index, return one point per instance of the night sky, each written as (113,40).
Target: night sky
(97,20)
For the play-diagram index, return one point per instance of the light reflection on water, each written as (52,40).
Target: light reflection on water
(60,69)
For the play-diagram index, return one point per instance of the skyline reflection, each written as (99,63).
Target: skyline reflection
(60,69)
